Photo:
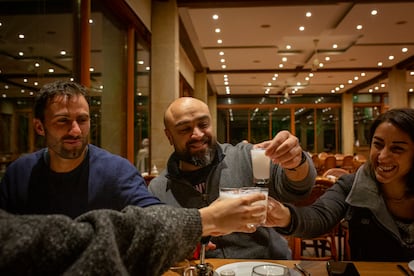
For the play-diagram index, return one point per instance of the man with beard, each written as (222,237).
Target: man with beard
(200,165)
(69,176)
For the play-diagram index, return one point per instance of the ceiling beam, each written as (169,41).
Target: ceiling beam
(297,70)
(267,3)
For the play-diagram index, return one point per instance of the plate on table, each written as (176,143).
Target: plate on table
(245,268)
(411,265)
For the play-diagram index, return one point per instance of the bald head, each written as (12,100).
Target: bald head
(184,109)
(188,128)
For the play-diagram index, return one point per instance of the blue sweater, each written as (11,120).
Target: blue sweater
(112,183)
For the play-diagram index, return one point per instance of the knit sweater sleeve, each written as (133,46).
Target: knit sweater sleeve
(135,241)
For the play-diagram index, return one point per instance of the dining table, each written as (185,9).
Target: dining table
(317,268)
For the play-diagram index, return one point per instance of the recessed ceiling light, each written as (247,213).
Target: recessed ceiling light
(217,30)
(215,16)
(308,14)
(359,27)
(219,41)
(374,12)
(288,47)
(301,28)
(21,36)
(391,57)
(404,50)
(221,53)
(379,63)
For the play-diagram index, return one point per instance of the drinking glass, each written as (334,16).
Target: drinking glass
(226,192)
(261,167)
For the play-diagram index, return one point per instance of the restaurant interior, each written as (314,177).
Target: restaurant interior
(321,69)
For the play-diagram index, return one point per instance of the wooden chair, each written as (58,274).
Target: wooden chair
(330,162)
(320,244)
(348,163)
(317,163)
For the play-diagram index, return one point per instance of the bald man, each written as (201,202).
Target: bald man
(200,165)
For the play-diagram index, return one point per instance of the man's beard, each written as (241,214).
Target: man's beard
(198,159)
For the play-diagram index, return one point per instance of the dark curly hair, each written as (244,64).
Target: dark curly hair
(51,90)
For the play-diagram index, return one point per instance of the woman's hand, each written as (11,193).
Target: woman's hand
(278,215)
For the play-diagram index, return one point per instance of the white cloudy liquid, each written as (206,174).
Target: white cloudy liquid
(261,164)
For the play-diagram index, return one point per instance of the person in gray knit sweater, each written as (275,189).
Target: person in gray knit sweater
(135,241)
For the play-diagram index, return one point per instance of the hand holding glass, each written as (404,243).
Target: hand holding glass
(243,191)
(261,167)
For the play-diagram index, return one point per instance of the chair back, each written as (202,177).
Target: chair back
(319,244)
(348,163)
(330,162)
(317,163)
